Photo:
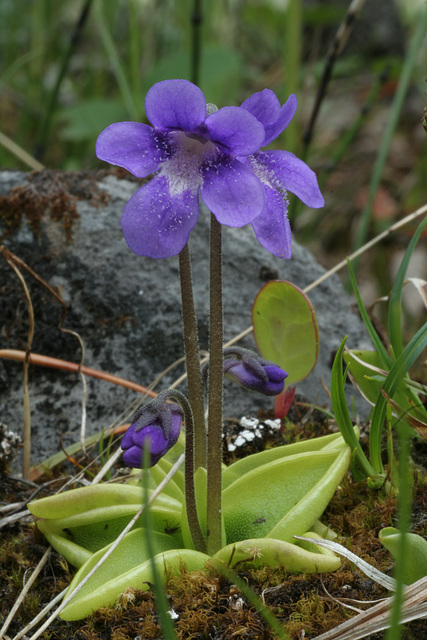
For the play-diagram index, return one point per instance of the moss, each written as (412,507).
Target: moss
(208,606)
(49,192)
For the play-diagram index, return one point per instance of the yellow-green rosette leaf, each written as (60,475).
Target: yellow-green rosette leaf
(105,593)
(285,497)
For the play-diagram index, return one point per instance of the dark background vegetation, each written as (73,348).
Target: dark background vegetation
(68,69)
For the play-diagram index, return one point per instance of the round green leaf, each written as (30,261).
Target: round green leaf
(415,562)
(285,329)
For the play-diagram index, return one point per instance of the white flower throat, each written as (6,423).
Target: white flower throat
(182,169)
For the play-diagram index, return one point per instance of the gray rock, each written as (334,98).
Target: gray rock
(127,308)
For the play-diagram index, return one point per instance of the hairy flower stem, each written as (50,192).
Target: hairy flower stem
(190,492)
(192,357)
(213,520)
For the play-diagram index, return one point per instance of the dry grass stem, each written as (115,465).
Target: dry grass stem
(372,573)
(333,54)
(377,618)
(65,365)
(107,466)
(40,615)
(24,592)
(394,227)
(17,264)
(5,522)
(26,458)
(20,153)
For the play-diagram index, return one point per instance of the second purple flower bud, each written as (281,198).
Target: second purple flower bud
(159,428)
(253,372)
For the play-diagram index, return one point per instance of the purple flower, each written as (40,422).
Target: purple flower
(279,172)
(160,428)
(253,372)
(191,147)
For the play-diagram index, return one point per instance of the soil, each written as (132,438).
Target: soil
(207,606)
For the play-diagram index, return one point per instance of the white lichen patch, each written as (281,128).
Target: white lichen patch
(275,425)
(249,422)
(251,428)
(9,444)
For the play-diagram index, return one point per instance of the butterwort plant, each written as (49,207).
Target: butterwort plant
(194,148)
(250,510)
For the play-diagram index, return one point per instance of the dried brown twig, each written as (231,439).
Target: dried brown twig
(15,264)
(377,618)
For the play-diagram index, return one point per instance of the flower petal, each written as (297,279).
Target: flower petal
(265,106)
(244,375)
(132,145)
(236,130)
(272,227)
(133,457)
(157,442)
(275,373)
(231,191)
(287,113)
(292,174)
(156,223)
(175,104)
(127,440)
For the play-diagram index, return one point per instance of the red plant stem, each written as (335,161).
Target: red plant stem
(65,365)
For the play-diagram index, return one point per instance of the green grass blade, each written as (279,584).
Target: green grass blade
(255,601)
(101,448)
(196,42)
(11,71)
(397,372)
(161,601)
(394,632)
(395,304)
(292,63)
(342,415)
(380,348)
(405,76)
(347,137)
(52,102)
(111,51)
(135,54)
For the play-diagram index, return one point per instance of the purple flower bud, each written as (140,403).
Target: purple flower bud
(161,434)
(256,374)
